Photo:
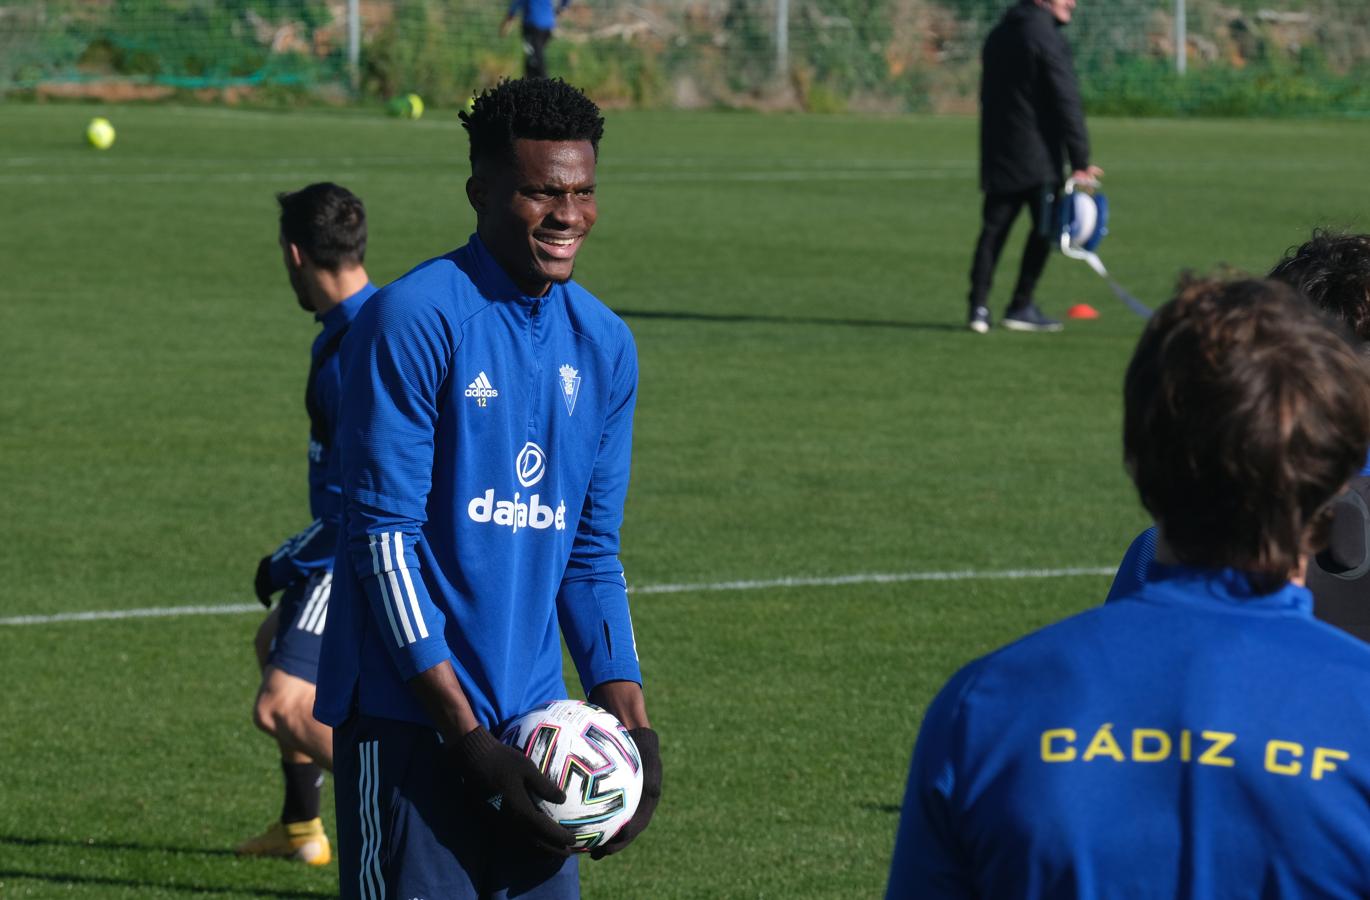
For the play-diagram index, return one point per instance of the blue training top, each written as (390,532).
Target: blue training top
(303,554)
(1193,739)
(538,13)
(485,439)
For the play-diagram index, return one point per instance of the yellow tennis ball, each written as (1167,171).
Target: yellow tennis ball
(415,107)
(100,133)
(471,104)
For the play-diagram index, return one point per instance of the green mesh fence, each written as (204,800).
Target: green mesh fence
(1242,57)
(176,43)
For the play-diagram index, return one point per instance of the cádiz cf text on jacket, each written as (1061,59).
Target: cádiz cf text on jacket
(485,438)
(310,552)
(1193,740)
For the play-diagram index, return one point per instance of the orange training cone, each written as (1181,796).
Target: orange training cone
(1082,311)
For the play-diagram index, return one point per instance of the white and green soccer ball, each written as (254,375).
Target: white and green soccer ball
(588,753)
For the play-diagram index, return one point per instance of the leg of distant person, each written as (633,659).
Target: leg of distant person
(534,47)
(997,217)
(1022,313)
(1036,249)
(284,709)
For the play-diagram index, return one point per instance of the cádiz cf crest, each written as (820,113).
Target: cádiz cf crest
(570,387)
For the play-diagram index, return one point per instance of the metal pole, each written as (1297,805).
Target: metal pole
(782,38)
(354,43)
(1180,38)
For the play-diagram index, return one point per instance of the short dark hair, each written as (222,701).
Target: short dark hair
(1333,270)
(538,109)
(327,222)
(1244,413)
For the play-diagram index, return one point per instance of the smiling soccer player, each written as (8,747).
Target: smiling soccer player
(486,432)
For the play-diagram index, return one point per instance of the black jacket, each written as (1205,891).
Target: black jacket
(1030,112)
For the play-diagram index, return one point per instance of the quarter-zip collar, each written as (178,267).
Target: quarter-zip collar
(496,284)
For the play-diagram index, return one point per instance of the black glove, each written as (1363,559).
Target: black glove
(503,780)
(650,750)
(262,583)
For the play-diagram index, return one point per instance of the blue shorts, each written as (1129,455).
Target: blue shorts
(406,830)
(299,633)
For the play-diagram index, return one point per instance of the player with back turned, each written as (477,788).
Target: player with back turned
(486,434)
(1331,270)
(1203,736)
(323,240)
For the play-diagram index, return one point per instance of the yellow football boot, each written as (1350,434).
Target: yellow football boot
(304,841)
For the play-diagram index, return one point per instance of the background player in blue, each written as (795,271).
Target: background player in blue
(1332,270)
(323,240)
(539,21)
(1204,737)
(486,435)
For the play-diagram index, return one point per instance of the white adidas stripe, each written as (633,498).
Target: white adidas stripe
(409,584)
(315,613)
(170,612)
(385,599)
(371,882)
(396,598)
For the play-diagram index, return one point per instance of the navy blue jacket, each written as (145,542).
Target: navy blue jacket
(1031,118)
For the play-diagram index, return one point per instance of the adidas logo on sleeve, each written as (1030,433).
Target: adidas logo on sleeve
(481,390)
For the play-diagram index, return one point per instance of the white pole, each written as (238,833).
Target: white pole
(1180,38)
(354,42)
(782,38)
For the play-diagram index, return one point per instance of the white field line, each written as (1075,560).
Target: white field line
(613,165)
(166,177)
(172,612)
(807,175)
(872,578)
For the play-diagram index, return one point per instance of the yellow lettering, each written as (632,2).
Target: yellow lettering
(1322,761)
(1104,744)
(1066,753)
(1213,755)
(1186,745)
(1273,749)
(1140,753)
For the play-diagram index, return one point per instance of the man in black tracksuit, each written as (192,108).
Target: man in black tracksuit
(1031,123)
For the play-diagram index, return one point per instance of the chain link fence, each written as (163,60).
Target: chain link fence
(1241,57)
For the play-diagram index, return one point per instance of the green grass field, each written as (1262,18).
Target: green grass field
(810,408)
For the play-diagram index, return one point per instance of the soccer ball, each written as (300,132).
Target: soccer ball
(408,106)
(1083,220)
(100,133)
(590,756)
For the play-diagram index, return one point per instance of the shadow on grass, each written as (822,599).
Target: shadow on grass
(206,889)
(786,320)
(17,841)
(244,890)
(890,808)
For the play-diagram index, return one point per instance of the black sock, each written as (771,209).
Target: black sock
(302,783)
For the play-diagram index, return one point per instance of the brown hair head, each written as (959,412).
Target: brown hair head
(1332,270)
(1244,414)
